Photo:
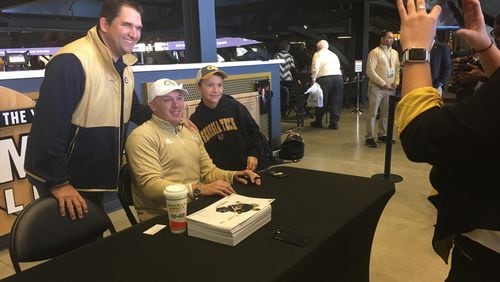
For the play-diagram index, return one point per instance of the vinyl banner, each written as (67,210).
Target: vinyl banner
(16,113)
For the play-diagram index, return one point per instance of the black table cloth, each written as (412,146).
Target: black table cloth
(340,213)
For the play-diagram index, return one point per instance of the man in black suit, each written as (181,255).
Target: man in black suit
(440,65)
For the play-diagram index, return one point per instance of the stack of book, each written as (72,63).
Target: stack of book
(230,220)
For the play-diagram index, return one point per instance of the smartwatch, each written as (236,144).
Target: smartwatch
(416,55)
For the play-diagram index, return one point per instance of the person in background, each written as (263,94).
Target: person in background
(286,68)
(162,152)
(382,69)
(231,136)
(326,71)
(440,65)
(460,141)
(36,63)
(286,75)
(86,101)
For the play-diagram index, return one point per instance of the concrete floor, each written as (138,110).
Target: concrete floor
(402,245)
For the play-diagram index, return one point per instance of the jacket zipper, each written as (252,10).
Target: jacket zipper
(72,144)
(120,129)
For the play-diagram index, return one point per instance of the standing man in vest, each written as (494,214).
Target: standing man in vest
(86,100)
(325,70)
(382,70)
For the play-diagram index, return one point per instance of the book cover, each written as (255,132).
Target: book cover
(231,219)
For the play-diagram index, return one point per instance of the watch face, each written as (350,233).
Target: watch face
(196,193)
(417,54)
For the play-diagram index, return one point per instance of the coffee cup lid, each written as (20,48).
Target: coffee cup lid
(175,190)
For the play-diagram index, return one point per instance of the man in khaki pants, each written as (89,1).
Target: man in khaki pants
(382,70)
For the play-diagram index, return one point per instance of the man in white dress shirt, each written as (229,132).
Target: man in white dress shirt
(325,70)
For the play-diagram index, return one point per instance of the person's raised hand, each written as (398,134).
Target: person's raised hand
(474,30)
(418,27)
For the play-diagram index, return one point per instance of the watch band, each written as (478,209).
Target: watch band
(194,190)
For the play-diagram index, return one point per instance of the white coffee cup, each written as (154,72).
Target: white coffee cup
(176,200)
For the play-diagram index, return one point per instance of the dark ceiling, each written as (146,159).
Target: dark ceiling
(25,23)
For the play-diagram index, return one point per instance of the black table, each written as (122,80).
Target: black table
(340,212)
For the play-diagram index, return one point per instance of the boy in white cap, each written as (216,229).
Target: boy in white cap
(162,151)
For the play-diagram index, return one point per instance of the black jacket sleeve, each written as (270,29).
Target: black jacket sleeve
(461,134)
(51,130)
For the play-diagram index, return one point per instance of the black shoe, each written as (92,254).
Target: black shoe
(370,142)
(333,126)
(316,124)
(383,139)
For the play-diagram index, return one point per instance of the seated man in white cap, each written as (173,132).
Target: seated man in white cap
(162,151)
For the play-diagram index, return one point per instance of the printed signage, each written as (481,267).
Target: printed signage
(16,113)
(358,66)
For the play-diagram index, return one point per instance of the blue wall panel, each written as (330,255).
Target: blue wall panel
(185,71)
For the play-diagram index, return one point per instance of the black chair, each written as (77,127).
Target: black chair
(296,102)
(125,193)
(285,101)
(40,232)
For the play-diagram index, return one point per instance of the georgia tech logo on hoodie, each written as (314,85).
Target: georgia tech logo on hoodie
(216,128)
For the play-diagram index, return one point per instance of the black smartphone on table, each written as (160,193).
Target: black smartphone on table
(291,237)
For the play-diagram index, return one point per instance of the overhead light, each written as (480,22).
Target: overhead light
(305,26)
(344,37)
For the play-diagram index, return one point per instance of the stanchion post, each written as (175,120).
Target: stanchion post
(358,66)
(388,146)
(357,110)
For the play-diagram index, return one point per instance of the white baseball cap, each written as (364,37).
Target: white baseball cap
(164,86)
